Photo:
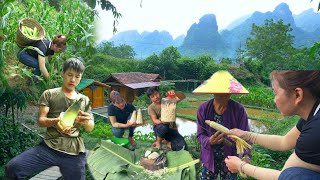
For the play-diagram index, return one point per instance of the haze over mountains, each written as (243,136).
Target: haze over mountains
(205,37)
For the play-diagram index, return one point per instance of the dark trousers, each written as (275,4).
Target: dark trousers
(118,132)
(30,61)
(172,135)
(42,157)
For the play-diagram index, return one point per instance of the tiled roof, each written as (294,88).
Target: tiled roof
(132,77)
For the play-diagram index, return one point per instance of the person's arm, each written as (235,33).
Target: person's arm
(155,120)
(116,124)
(235,165)
(276,142)
(273,142)
(152,113)
(86,119)
(42,66)
(43,120)
(202,135)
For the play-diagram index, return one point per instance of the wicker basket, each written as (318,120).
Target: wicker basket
(21,39)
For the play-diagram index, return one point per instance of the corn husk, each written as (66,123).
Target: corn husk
(139,117)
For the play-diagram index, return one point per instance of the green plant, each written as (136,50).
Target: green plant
(144,137)
(101,130)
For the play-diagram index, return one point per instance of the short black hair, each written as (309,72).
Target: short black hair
(152,90)
(74,64)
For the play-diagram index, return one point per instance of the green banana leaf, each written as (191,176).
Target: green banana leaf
(110,161)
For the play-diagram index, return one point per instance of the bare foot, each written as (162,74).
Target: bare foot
(132,142)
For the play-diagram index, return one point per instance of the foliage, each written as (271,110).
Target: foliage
(165,64)
(73,19)
(125,163)
(150,137)
(271,44)
(258,96)
(101,130)
(107,65)
(14,139)
(122,51)
(142,101)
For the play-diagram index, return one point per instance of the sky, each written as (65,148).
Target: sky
(177,16)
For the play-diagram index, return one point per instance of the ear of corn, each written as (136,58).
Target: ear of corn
(241,144)
(29,32)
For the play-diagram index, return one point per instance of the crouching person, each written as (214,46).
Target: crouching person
(165,132)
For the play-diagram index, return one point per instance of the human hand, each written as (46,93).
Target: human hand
(65,130)
(216,138)
(170,94)
(237,132)
(131,123)
(83,118)
(233,163)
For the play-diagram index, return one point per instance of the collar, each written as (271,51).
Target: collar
(50,44)
(315,109)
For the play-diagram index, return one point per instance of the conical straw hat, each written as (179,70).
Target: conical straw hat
(221,82)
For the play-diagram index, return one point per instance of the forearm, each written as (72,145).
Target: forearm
(44,72)
(273,142)
(156,121)
(260,173)
(119,125)
(47,122)
(204,140)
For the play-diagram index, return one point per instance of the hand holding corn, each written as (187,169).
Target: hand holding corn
(241,145)
(216,138)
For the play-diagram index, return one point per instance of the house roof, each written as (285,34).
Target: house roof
(142,85)
(87,82)
(134,80)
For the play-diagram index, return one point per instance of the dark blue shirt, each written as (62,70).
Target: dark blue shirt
(308,146)
(122,115)
(42,45)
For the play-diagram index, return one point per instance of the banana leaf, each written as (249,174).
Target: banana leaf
(110,161)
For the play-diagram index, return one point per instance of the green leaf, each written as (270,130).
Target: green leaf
(35,49)
(313,49)
(111,161)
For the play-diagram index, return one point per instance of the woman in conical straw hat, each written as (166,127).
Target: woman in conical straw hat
(225,111)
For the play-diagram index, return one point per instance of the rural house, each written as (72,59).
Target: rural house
(131,84)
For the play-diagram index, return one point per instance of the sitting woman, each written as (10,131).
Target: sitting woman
(119,113)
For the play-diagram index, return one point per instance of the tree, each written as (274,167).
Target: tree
(122,51)
(272,45)
(168,62)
